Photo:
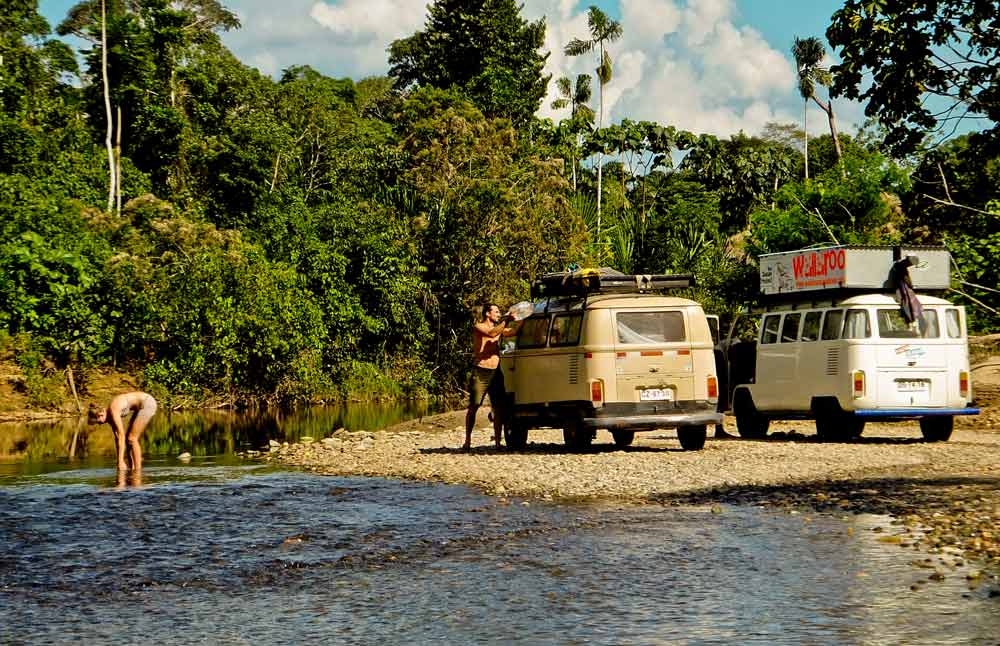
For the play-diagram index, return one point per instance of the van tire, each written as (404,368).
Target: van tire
(750,424)
(692,438)
(839,428)
(576,437)
(623,438)
(937,429)
(515,435)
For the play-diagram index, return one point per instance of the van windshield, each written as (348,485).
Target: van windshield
(650,327)
(892,325)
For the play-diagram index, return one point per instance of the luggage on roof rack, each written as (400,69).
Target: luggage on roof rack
(851,268)
(605,281)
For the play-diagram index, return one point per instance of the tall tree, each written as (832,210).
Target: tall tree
(483,48)
(809,54)
(603,30)
(581,116)
(921,67)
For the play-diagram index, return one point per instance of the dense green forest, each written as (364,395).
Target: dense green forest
(168,209)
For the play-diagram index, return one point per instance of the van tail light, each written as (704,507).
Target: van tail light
(963,384)
(713,388)
(859,383)
(597,392)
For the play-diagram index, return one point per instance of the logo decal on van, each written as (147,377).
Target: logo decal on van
(911,352)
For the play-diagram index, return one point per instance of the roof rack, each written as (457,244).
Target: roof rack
(584,282)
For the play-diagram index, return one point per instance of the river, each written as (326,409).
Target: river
(218,549)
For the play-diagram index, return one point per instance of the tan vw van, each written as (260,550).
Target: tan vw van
(612,354)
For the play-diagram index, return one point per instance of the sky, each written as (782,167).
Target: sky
(708,66)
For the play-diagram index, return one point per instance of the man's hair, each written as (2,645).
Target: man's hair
(93,411)
(486,310)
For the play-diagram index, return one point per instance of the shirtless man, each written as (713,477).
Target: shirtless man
(143,406)
(487,379)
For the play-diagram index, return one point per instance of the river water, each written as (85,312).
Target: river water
(218,550)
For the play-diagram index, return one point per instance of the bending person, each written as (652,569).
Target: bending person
(142,407)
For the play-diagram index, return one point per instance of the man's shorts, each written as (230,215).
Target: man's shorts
(486,381)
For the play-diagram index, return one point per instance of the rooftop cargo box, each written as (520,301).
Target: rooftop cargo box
(851,267)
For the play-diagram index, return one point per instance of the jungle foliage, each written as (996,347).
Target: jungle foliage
(308,236)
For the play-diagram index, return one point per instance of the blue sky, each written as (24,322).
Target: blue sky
(717,66)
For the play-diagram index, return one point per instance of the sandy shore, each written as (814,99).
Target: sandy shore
(944,496)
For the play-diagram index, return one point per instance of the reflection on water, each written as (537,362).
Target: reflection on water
(38,447)
(247,555)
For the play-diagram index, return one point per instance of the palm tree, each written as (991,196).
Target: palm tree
(602,30)
(809,54)
(580,115)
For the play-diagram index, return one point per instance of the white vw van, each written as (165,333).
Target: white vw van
(606,351)
(845,360)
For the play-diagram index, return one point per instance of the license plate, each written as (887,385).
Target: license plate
(912,385)
(656,394)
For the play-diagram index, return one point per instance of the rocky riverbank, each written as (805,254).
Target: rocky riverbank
(944,497)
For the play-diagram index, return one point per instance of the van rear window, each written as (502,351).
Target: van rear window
(650,327)
(892,325)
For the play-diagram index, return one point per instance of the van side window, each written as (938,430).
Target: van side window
(810,326)
(650,327)
(790,328)
(832,324)
(565,329)
(769,333)
(953,322)
(533,332)
(856,325)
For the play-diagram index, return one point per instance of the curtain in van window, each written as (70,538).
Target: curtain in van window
(856,326)
(650,327)
(953,323)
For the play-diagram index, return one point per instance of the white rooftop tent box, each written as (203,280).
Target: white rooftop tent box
(852,267)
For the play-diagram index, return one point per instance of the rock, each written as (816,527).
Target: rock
(273,443)
(306,439)
(184,457)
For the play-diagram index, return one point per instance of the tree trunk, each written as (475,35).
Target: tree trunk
(118,161)
(107,108)
(805,131)
(828,109)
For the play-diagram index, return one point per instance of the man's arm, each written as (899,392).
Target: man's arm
(486,329)
(512,329)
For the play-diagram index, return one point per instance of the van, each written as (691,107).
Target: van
(607,351)
(849,359)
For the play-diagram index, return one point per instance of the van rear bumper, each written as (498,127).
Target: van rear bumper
(910,413)
(640,418)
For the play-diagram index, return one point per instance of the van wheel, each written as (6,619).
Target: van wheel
(692,437)
(623,438)
(515,435)
(576,437)
(937,429)
(749,423)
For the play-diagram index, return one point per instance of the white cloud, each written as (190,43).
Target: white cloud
(692,64)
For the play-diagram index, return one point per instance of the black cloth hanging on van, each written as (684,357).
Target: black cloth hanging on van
(909,306)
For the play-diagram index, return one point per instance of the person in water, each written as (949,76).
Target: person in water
(142,407)
(486,378)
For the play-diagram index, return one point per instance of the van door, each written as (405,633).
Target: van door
(653,361)
(911,360)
